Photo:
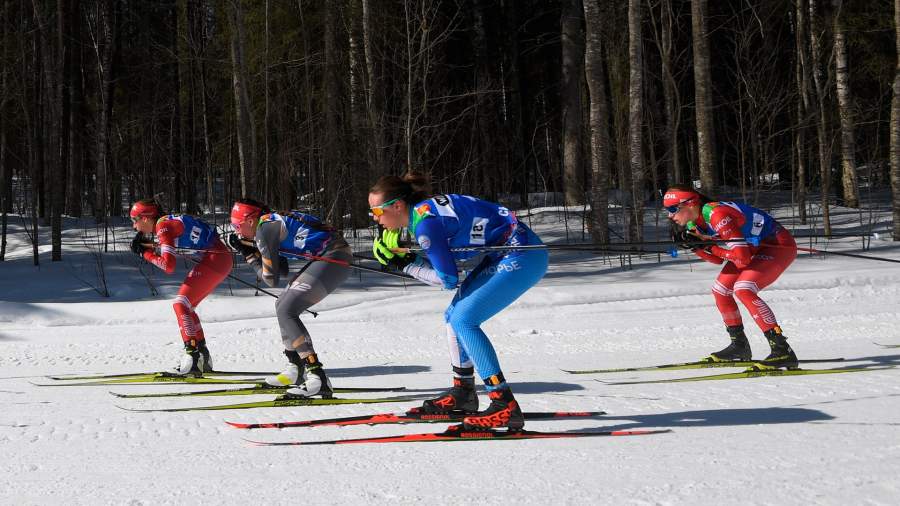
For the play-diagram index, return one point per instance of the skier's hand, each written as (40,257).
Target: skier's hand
(137,244)
(683,238)
(240,246)
(383,246)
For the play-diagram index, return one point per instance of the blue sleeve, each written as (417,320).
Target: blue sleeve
(430,236)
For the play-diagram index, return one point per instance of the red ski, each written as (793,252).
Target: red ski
(387,418)
(458,433)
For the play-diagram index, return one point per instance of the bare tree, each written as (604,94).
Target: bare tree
(845,107)
(815,36)
(706,144)
(246,127)
(570,95)
(595,74)
(802,78)
(895,129)
(635,119)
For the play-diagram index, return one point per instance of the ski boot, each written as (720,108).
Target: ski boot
(316,382)
(195,361)
(781,356)
(291,375)
(738,350)
(460,398)
(503,412)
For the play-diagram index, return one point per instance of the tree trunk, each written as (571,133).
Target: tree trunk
(246,129)
(802,78)
(58,184)
(570,97)
(373,96)
(76,115)
(815,37)
(333,152)
(845,107)
(706,144)
(595,74)
(670,96)
(635,119)
(895,129)
(104,52)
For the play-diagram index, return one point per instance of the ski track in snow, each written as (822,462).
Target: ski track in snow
(830,439)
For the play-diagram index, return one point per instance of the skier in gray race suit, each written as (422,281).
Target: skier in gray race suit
(266,239)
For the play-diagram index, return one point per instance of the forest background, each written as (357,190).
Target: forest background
(303,104)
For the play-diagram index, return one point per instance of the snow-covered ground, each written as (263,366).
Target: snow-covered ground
(829,439)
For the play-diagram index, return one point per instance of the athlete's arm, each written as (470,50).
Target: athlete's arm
(166,233)
(266,265)
(430,236)
(727,223)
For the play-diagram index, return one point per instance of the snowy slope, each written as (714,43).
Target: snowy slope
(796,440)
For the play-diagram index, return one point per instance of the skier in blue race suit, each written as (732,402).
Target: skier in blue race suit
(438,224)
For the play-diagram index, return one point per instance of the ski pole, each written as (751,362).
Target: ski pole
(239,280)
(345,264)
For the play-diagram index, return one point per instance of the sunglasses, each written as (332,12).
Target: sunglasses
(379,209)
(135,219)
(673,209)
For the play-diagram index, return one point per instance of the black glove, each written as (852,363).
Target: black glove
(240,246)
(683,239)
(400,262)
(137,246)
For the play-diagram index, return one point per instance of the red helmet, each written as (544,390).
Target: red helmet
(143,208)
(675,198)
(242,210)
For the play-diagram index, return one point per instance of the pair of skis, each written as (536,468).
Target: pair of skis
(750,372)
(454,433)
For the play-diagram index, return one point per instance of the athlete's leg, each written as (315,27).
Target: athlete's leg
(767,265)
(723,292)
(491,290)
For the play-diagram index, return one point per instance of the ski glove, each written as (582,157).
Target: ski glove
(684,239)
(137,244)
(240,246)
(382,249)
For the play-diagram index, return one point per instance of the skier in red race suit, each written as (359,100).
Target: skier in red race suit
(755,249)
(183,231)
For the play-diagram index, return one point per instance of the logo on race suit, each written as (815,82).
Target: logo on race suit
(424,241)
(195,234)
(504,267)
(476,235)
(502,211)
(722,224)
(762,257)
(758,222)
(423,210)
(444,206)
(300,238)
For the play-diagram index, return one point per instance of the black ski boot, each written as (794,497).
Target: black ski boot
(781,356)
(738,350)
(460,398)
(503,412)
(195,361)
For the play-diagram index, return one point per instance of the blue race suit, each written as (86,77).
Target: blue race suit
(456,221)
